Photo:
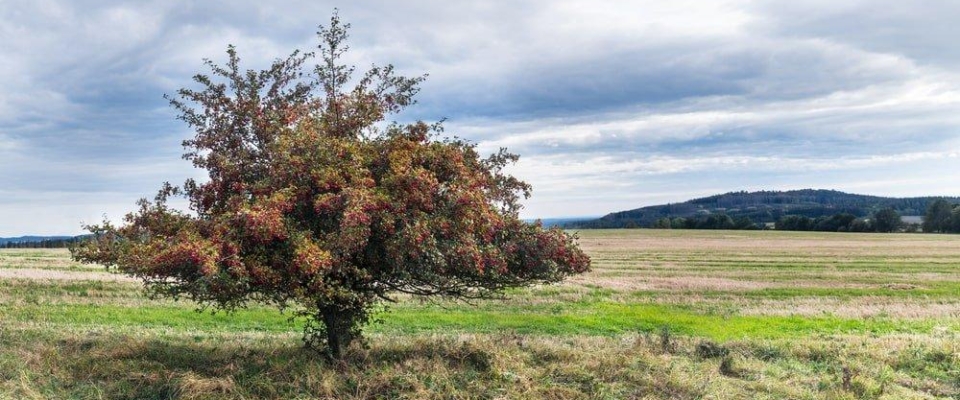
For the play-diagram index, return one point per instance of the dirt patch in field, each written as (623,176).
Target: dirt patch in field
(695,282)
(856,308)
(670,283)
(61,275)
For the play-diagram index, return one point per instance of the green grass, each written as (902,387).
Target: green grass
(613,319)
(578,319)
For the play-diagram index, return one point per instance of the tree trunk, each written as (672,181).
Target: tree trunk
(339,326)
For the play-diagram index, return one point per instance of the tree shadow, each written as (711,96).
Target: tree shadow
(175,368)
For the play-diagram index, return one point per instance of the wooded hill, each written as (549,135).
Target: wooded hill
(764,207)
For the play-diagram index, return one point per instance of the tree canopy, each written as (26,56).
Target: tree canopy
(886,220)
(314,201)
(938,217)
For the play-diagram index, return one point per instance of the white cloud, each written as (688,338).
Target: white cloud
(611,104)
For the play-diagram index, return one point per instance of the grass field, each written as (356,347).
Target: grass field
(663,314)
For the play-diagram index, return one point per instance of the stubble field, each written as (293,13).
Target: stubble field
(663,314)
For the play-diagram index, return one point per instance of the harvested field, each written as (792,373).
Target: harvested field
(663,314)
(61,275)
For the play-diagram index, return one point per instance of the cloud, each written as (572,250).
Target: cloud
(612,105)
(923,33)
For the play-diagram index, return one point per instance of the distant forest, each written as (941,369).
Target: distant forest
(804,210)
(38,242)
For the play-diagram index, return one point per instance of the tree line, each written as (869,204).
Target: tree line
(715,221)
(40,244)
(884,220)
(941,217)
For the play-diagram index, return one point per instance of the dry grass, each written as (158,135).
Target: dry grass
(862,307)
(466,366)
(770,273)
(54,259)
(913,280)
(62,275)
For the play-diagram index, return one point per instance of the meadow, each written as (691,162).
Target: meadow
(663,314)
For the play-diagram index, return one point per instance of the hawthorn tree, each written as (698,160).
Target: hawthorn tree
(314,202)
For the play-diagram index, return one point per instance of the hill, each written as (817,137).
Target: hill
(764,207)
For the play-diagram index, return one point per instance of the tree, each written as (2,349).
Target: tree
(955,219)
(938,216)
(886,220)
(662,223)
(836,223)
(861,225)
(794,223)
(723,221)
(745,223)
(314,202)
(678,223)
(715,221)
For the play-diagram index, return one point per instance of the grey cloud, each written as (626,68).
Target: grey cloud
(922,31)
(708,95)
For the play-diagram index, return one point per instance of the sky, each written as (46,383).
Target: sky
(611,105)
